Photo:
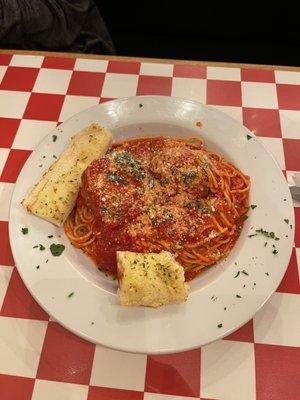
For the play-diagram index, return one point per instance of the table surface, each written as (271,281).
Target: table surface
(41,360)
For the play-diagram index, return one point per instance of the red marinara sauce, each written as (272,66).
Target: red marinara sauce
(150,194)
(143,192)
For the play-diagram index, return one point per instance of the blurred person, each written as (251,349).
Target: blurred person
(54,25)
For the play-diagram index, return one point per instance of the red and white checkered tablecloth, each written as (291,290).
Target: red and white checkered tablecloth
(39,359)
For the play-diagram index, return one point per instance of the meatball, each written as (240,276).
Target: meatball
(180,169)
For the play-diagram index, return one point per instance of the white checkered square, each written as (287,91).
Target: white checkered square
(3,157)
(31,132)
(276,323)
(2,72)
(48,390)
(119,85)
(290,124)
(154,69)
(74,104)
(5,274)
(21,60)
(83,64)
(233,112)
(187,88)
(275,146)
(228,371)
(224,74)
(13,104)
(52,81)
(259,95)
(129,369)
(6,191)
(287,77)
(21,342)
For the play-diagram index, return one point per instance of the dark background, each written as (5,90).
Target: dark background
(199,31)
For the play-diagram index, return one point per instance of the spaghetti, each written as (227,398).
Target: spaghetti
(154,194)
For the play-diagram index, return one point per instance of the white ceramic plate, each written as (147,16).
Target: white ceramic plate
(93,311)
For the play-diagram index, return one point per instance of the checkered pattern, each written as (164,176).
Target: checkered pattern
(39,359)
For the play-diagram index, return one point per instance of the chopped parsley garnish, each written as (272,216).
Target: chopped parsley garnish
(35,247)
(265,244)
(267,234)
(92,323)
(237,274)
(44,156)
(132,166)
(238,296)
(50,236)
(54,138)
(139,175)
(154,223)
(40,165)
(37,267)
(140,105)
(253,234)
(249,137)
(275,251)
(286,221)
(46,260)
(148,210)
(113,177)
(189,176)
(57,249)
(104,209)
(225,308)
(291,226)
(181,242)
(220,325)
(54,156)
(42,247)
(202,207)
(267,273)
(70,294)
(168,215)
(253,206)
(24,231)
(124,158)
(245,272)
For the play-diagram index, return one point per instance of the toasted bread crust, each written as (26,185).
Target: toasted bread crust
(150,280)
(54,196)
